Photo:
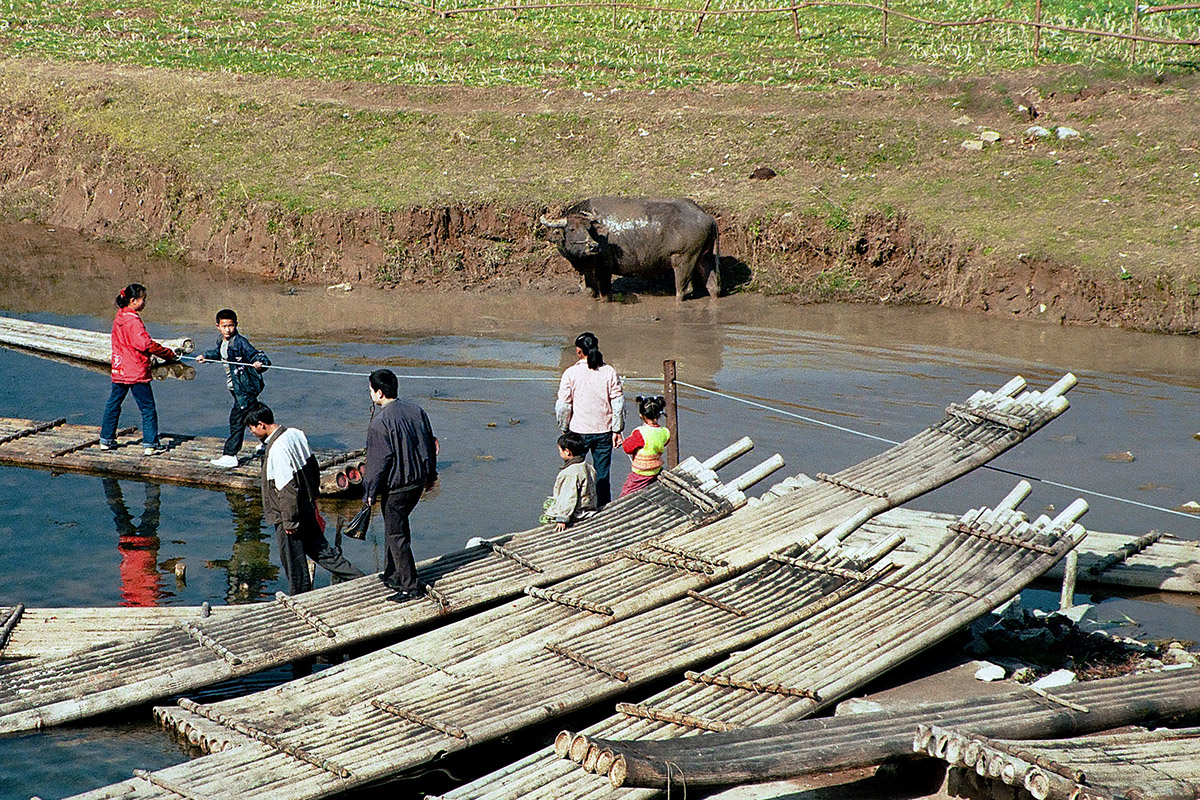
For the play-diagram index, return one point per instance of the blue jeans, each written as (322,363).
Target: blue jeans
(112,412)
(600,446)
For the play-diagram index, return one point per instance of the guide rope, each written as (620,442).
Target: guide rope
(736,399)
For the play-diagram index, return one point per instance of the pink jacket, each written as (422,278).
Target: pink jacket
(590,400)
(132,348)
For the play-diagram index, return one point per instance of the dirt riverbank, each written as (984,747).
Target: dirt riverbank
(65,169)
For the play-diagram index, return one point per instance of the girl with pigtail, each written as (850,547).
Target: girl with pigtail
(646,445)
(131,351)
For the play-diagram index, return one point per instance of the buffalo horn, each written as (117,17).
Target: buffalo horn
(553,223)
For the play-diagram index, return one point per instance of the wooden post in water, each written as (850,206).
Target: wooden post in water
(672,412)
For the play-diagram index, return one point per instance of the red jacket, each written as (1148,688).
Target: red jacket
(132,348)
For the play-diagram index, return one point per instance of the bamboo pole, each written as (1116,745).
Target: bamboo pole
(1037,28)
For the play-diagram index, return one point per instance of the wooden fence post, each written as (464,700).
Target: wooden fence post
(883,38)
(1137,27)
(672,412)
(1037,28)
(795,23)
(700,19)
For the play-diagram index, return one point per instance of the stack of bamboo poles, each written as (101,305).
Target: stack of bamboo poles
(829,744)
(584,639)
(59,446)
(90,347)
(1152,765)
(194,654)
(1156,560)
(986,558)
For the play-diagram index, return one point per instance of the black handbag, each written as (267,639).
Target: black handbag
(357,529)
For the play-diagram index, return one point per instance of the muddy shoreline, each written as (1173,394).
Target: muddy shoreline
(65,179)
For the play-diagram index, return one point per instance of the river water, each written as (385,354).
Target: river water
(70,540)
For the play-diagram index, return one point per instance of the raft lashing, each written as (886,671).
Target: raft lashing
(673,600)
(984,558)
(62,447)
(1162,764)
(91,349)
(199,652)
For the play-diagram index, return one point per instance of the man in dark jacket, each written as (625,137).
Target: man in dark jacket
(290,481)
(401,463)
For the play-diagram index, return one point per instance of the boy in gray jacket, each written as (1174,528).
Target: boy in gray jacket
(574,495)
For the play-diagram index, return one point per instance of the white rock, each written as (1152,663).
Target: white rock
(989,672)
(990,136)
(1075,613)
(1060,677)
(972,144)
(1066,133)
(963,120)
(340,287)
(856,705)
(1036,132)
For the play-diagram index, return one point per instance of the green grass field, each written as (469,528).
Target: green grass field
(317,106)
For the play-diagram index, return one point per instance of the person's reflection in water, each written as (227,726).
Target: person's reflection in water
(141,583)
(250,567)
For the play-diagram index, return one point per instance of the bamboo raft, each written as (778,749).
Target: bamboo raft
(984,558)
(1157,561)
(1162,764)
(85,348)
(623,623)
(62,447)
(47,632)
(194,654)
(830,744)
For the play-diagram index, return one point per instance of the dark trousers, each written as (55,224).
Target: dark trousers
(308,542)
(399,567)
(237,425)
(600,446)
(144,396)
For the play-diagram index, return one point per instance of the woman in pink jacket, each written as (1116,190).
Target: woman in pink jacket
(131,351)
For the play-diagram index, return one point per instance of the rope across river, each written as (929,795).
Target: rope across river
(734,398)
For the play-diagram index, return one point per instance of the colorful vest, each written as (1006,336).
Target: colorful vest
(648,460)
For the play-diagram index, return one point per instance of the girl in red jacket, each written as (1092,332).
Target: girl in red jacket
(131,351)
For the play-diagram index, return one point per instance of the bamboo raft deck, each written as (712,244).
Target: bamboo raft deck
(1162,764)
(62,447)
(984,558)
(195,654)
(828,744)
(90,349)
(1157,561)
(638,616)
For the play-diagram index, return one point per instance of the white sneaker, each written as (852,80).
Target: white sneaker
(227,462)
(153,450)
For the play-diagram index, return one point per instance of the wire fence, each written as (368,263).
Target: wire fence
(1132,31)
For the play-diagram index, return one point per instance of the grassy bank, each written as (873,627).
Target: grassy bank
(338,106)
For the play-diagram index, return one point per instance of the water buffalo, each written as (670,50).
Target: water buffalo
(606,236)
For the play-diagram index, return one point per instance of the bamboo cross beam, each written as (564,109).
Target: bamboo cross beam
(31,430)
(10,622)
(812,566)
(209,643)
(307,617)
(564,599)
(418,719)
(689,553)
(671,562)
(1055,699)
(90,443)
(578,658)
(715,603)
(1124,552)
(168,786)
(750,686)
(675,718)
(512,555)
(821,476)
(987,415)
(266,739)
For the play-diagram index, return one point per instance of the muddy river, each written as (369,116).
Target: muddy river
(68,540)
